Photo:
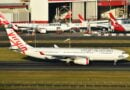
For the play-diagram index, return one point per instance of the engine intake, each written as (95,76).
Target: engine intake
(81,61)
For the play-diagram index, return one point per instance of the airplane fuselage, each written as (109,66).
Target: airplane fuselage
(52,27)
(80,56)
(91,53)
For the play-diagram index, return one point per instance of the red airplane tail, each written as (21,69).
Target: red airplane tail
(81,18)
(112,19)
(69,15)
(115,25)
(4,21)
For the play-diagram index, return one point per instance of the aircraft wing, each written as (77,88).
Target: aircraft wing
(77,60)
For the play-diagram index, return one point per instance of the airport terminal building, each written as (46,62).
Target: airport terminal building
(44,11)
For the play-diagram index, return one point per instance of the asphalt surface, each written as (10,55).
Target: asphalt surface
(54,36)
(58,65)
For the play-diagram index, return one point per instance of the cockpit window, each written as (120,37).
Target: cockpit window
(123,52)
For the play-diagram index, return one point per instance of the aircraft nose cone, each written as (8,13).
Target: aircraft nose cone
(123,56)
(126,55)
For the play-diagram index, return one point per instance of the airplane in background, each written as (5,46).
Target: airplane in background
(4,21)
(119,25)
(55,27)
(42,28)
(45,28)
(100,24)
(80,56)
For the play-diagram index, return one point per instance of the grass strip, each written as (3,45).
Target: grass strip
(66,80)
(8,55)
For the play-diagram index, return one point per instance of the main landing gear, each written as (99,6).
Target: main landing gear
(115,62)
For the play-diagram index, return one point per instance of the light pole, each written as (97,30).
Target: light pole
(126,8)
(35,38)
(110,4)
(69,41)
(68,9)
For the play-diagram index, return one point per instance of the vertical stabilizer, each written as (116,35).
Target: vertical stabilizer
(4,21)
(17,41)
(115,25)
(81,18)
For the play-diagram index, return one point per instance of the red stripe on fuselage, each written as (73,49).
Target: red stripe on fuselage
(41,53)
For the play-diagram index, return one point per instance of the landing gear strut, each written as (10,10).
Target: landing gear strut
(115,62)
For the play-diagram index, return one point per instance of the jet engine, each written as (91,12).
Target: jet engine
(42,30)
(81,61)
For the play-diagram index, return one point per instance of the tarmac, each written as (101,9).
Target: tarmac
(58,65)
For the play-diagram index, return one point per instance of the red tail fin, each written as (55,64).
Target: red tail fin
(16,40)
(112,19)
(115,25)
(69,15)
(4,21)
(81,18)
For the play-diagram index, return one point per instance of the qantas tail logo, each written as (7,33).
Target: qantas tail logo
(115,25)
(112,19)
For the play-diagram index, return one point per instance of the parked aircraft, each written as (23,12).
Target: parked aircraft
(100,24)
(42,28)
(80,56)
(55,27)
(119,25)
(115,25)
(45,28)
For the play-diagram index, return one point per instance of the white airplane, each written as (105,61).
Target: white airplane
(119,25)
(42,28)
(45,28)
(80,56)
(100,24)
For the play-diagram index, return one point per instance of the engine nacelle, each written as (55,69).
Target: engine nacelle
(81,61)
(42,30)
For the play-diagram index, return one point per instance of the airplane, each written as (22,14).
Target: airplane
(42,28)
(45,28)
(52,27)
(81,56)
(100,24)
(120,24)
